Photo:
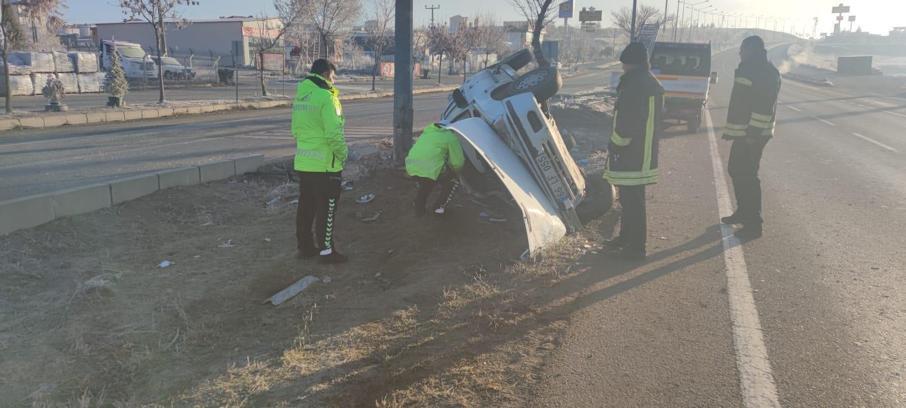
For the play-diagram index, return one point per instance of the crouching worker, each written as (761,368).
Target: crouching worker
(436,158)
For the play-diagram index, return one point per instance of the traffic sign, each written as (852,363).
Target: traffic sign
(852,18)
(840,9)
(590,14)
(566,9)
(648,36)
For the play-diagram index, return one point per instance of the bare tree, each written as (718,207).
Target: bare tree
(538,13)
(380,30)
(438,44)
(156,13)
(645,15)
(289,13)
(332,18)
(12,38)
(45,18)
(490,37)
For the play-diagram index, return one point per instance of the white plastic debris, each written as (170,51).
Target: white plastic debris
(365,198)
(292,290)
(165,264)
(228,244)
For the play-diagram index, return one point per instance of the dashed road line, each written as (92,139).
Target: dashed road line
(794,108)
(826,122)
(756,380)
(875,142)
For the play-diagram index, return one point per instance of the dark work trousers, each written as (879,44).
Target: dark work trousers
(634,221)
(426,186)
(745,159)
(319,196)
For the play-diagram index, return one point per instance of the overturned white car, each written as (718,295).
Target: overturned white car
(506,133)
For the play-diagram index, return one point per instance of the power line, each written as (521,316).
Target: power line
(432,8)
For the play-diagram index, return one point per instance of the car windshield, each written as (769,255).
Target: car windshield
(681,60)
(131,52)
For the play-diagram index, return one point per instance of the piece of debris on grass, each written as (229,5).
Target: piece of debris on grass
(227,244)
(365,198)
(292,290)
(165,264)
(347,185)
(281,196)
(369,218)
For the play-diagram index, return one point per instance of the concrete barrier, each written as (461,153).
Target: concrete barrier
(115,116)
(25,213)
(133,187)
(150,114)
(217,171)
(132,114)
(55,120)
(31,122)
(248,164)
(193,110)
(165,112)
(81,200)
(95,117)
(75,119)
(178,177)
(8,124)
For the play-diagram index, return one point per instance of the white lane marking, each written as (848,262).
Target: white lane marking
(875,142)
(756,380)
(895,114)
(826,122)
(795,108)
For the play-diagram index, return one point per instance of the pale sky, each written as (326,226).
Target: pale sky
(876,16)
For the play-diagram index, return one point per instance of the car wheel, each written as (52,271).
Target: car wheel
(542,82)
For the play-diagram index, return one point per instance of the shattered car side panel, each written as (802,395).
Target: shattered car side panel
(542,221)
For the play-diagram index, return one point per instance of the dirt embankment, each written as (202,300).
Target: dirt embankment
(429,312)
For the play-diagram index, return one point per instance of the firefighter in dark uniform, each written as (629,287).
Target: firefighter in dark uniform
(633,151)
(750,125)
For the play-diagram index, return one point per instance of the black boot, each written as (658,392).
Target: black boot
(632,254)
(733,219)
(615,243)
(749,232)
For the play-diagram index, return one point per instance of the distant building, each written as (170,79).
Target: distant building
(223,36)
(458,23)
(898,33)
(519,34)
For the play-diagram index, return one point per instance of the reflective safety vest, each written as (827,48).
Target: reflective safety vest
(753,101)
(633,151)
(317,126)
(436,147)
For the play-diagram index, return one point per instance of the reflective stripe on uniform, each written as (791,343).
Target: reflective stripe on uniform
(743,81)
(762,125)
(736,126)
(734,133)
(631,178)
(618,140)
(763,118)
(649,135)
(310,154)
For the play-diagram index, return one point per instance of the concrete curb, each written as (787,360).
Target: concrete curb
(31,211)
(47,121)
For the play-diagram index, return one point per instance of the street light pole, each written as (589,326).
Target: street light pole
(402,81)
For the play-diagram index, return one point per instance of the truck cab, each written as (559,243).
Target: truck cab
(684,70)
(136,63)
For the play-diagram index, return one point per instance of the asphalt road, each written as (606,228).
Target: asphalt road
(248,88)
(33,162)
(825,284)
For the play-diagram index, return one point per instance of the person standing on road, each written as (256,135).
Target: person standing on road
(750,125)
(321,151)
(632,161)
(436,158)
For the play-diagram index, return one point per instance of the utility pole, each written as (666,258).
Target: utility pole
(632,26)
(432,8)
(676,19)
(402,81)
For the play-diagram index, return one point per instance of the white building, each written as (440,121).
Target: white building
(519,34)
(457,23)
(219,36)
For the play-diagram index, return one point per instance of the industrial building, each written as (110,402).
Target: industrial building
(225,37)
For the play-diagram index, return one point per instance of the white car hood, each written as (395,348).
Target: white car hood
(543,225)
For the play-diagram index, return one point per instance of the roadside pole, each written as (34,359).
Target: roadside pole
(402,81)
(635,4)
